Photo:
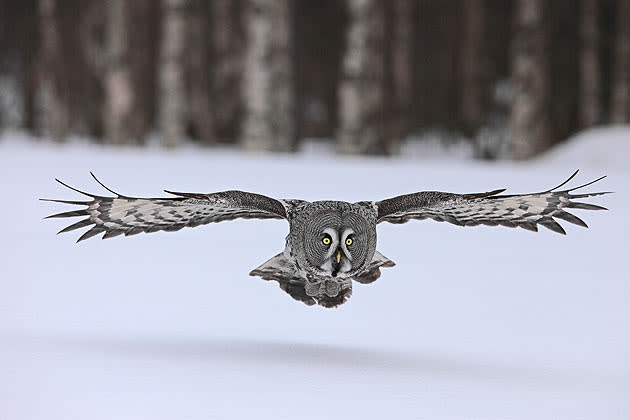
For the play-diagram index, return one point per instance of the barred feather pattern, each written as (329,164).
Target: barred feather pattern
(373,271)
(123,215)
(490,208)
(309,290)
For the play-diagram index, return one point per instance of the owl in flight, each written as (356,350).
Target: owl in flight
(330,243)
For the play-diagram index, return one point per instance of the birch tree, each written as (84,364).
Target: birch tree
(528,127)
(361,88)
(269,98)
(172,97)
(119,92)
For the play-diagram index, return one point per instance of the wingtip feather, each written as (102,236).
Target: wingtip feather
(588,183)
(92,232)
(565,182)
(571,218)
(75,189)
(551,224)
(106,187)
(585,206)
(78,225)
(73,213)
(78,203)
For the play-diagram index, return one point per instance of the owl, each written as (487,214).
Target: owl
(330,244)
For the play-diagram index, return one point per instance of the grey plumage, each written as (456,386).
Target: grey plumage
(330,243)
(490,208)
(130,215)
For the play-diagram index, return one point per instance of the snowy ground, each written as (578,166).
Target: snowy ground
(474,323)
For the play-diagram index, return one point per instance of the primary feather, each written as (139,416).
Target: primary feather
(122,215)
(490,208)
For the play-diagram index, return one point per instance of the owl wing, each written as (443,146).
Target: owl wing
(130,215)
(490,208)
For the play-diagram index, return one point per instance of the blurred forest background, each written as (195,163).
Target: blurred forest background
(513,77)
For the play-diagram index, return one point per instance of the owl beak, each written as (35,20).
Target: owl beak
(336,264)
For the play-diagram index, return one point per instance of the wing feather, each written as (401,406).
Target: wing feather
(78,225)
(491,208)
(122,215)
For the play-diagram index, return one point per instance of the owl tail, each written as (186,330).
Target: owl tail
(283,271)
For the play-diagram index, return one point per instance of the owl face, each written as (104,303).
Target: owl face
(336,243)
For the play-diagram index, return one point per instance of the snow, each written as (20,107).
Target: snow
(479,323)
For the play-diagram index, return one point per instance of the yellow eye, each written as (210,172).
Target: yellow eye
(326,240)
(349,241)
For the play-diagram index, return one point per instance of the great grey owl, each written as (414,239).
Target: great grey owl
(330,243)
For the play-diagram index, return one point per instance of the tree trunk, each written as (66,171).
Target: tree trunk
(268,85)
(620,95)
(143,20)
(54,106)
(528,125)
(472,93)
(361,88)
(399,83)
(199,73)
(228,43)
(119,91)
(172,99)
(589,64)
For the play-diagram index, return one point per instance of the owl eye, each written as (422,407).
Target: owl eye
(326,240)
(349,241)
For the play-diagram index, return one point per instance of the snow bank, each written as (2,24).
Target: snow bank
(488,323)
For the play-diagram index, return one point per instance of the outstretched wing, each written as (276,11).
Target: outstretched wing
(130,215)
(490,208)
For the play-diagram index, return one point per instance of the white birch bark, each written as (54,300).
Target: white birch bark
(528,127)
(268,87)
(119,92)
(172,97)
(361,88)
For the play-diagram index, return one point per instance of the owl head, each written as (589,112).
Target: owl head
(335,240)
